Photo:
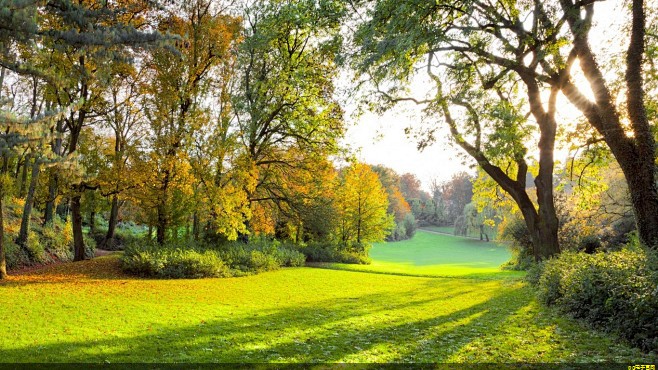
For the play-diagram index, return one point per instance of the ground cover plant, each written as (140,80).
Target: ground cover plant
(92,312)
(431,254)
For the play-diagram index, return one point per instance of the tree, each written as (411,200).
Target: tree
(456,194)
(76,41)
(636,152)
(483,64)
(284,103)
(410,186)
(361,203)
(175,109)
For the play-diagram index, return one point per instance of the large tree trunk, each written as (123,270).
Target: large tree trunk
(636,153)
(29,201)
(641,182)
(78,241)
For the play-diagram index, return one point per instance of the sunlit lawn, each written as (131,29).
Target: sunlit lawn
(91,312)
(429,254)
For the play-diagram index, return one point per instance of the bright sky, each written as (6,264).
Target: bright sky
(381,139)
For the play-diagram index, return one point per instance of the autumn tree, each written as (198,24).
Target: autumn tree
(77,42)
(284,102)
(175,109)
(361,203)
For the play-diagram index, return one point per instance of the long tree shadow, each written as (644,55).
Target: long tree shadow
(369,328)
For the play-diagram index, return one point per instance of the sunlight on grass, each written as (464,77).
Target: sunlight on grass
(428,254)
(97,314)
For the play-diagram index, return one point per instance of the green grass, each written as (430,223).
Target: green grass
(429,254)
(91,312)
(441,229)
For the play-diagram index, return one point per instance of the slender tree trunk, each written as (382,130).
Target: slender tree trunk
(92,222)
(195,226)
(23,183)
(53,182)
(49,212)
(161,227)
(27,208)
(78,241)
(3,260)
(112,222)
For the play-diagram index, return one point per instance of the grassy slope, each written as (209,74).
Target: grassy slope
(90,311)
(429,254)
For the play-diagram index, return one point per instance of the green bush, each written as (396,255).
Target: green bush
(35,248)
(14,254)
(152,261)
(616,291)
(516,232)
(290,257)
(56,242)
(178,260)
(405,229)
(122,238)
(328,252)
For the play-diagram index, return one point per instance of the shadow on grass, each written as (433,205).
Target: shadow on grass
(368,328)
(498,275)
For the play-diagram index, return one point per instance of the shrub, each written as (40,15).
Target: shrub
(35,249)
(178,260)
(328,252)
(398,233)
(55,241)
(122,238)
(14,254)
(615,291)
(151,261)
(410,225)
(289,257)
(516,232)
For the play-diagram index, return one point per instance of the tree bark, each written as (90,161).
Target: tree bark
(112,222)
(161,227)
(92,222)
(23,170)
(636,155)
(27,208)
(195,226)
(78,241)
(3,259)
(49,212)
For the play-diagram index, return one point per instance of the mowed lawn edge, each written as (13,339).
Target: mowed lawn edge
(91,312)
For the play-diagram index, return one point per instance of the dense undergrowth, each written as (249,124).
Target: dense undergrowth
(190,259)
(615,291)
(45,243)
(194,260)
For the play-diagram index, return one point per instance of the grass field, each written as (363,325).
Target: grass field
(430,254)
(91,312)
